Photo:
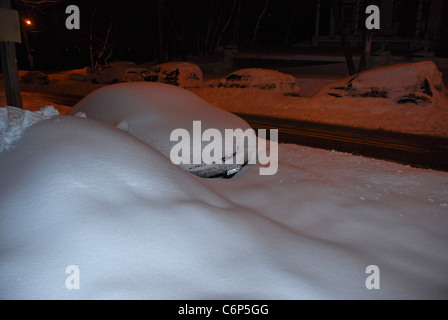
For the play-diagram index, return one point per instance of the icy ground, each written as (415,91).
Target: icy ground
(77,192)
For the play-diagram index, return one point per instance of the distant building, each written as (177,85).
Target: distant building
(410,25)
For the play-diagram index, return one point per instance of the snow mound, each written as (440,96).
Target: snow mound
(152,111)
(136,226)
(262,79)
(13,122)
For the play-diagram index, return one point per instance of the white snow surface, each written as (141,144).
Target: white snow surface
(152,111)
(78,192)
(13,121)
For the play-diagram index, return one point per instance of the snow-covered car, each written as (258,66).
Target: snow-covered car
(419,83)
(262,79)
(119,71)
(152,112)
(35,77)
(182,74)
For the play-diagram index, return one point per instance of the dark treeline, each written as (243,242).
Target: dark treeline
(158,30)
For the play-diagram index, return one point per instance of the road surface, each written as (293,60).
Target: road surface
(416,150)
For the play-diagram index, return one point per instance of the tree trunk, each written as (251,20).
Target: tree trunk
(236,25)
(213,18)
(367,36)
(367,48)
(226,25)
(336,8)
(92,63)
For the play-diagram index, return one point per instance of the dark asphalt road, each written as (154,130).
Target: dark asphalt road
(415,150)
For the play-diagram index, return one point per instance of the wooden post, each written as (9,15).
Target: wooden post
(9,67)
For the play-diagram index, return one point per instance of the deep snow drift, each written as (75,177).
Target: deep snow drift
(78,192)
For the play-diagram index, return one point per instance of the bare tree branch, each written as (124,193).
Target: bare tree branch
(291,21)
(260,17)
(105,44)
(226,25)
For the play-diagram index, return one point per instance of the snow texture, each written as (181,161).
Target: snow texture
(79,192)
(13,121)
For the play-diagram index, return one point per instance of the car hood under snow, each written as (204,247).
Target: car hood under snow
(152,111)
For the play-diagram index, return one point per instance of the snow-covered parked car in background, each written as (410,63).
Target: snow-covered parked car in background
(418,83)
(152,111)
(262,79)
(119,71)
(35,77)
(181,74)
(406,98)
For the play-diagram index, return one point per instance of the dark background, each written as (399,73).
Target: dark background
(189,27)
(162,30)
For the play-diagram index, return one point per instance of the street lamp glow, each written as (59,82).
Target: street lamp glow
(28,22)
